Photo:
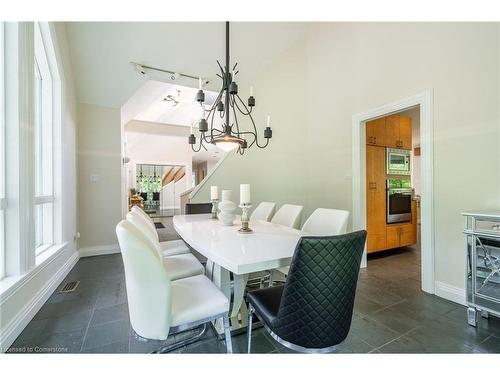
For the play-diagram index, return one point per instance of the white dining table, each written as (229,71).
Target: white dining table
(231,253)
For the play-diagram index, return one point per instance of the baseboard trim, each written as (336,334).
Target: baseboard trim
(24,316)
(450,292)
(98,250)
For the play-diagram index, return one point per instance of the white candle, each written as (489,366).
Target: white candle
(191,128)
(200,83)
(214,193)
(268,120)
(251,90)
(244,194)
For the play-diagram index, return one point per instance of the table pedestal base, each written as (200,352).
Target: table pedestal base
(234,290)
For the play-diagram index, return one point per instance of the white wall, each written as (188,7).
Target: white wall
(22,301)
(278,172)
(351,68)
(99,154)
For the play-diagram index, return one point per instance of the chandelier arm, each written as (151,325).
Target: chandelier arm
(216,101)
(254,138)
(264,146)
(243,113)
(212,127)
(255,128)
(220,66)
(199,148)
(202,137)
(236,120)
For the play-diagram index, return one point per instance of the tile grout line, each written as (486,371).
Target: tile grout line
(396,338)
(88,325)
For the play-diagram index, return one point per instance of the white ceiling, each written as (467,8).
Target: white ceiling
(148,104)
(162,143)
(101,52)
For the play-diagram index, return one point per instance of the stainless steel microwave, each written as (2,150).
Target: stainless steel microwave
(398,161)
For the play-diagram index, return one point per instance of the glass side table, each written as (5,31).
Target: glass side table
(482,230)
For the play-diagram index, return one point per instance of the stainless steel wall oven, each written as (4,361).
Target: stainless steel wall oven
(399,197)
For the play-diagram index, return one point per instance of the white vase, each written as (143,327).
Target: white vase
(227,209)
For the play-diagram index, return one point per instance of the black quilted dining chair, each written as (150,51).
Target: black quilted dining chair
(198,208)
(312,311)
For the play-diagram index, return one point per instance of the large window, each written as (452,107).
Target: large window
(44,154)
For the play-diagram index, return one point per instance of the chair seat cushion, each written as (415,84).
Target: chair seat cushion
(182,265)
(266,302)
(196,298)
(174,247)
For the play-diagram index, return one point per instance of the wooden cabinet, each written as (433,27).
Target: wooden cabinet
(375,202)
(375,132)
(405,234)
(392,233)
(399,235)
(392,131)
(405,132)
(398,132)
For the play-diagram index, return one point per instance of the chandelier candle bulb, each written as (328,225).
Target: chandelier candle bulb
(244,194)
(251,90)
(268,121)
(200,83)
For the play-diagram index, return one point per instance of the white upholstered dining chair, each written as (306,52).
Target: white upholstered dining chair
(288,215)
(326,222)
(168,247)
(177,265)
(323,222)
(159,306)
(264,211)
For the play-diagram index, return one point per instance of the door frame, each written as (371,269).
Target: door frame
(424,100)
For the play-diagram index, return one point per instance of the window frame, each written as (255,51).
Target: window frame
(43,139)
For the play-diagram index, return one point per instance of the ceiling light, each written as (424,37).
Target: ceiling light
(231,136)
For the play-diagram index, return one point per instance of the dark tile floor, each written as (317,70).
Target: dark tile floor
(391,315)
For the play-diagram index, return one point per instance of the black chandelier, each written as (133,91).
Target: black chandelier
(228,100)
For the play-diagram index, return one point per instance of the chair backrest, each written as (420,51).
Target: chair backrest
(144,196)
(148,285)
(264,211)
(156,196)
(288,215)
(139,222)
(326,222)
(318,298)
(146,218)
(198,208)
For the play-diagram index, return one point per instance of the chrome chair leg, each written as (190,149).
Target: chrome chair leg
(249,328)
(182,343)
(227,334)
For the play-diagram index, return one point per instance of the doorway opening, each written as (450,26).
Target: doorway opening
(393,196)
(392,187)
(160,169)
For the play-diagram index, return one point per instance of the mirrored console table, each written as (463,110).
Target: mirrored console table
(482,230)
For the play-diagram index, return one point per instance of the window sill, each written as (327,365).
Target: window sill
(10,284)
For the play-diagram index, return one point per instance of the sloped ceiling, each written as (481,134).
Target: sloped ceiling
(101,52)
